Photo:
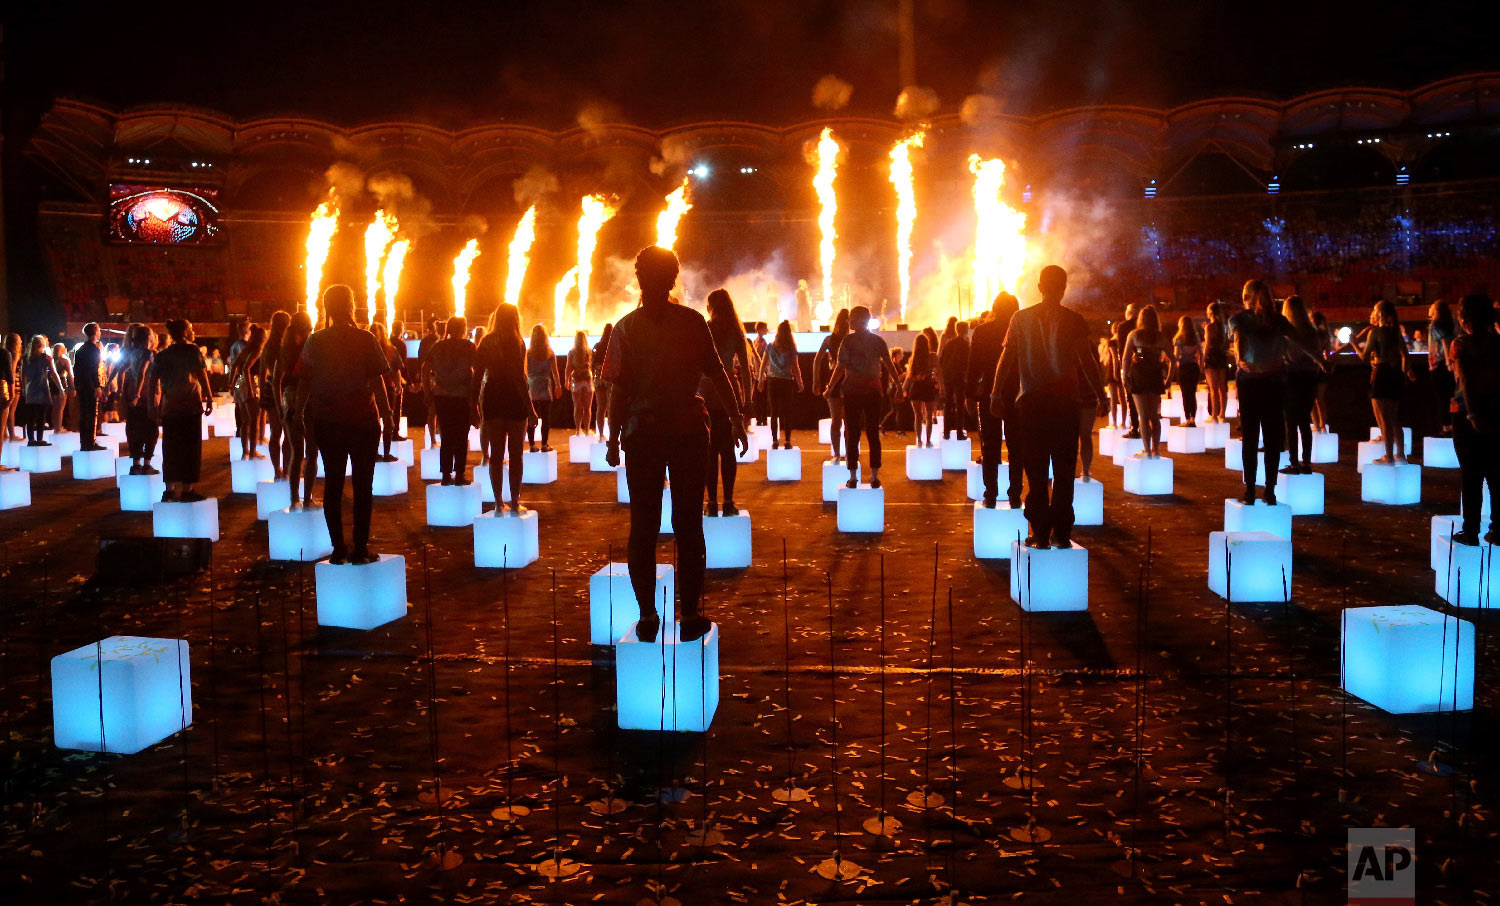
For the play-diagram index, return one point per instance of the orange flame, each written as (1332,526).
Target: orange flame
(461,266)
(828,166)
(597,210)
(999,238)
(520,255)
(391,277)
(906,211)
(378,237)
(560,299)
(666,221)
(319,237)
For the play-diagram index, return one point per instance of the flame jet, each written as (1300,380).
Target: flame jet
(319,237)
(828,207)
(906,211)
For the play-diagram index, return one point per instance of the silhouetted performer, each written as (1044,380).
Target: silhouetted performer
(1047,368)
(449,371)
(953,362)
(88,378)
(343,370)
(984,356)
(178,396)
(1474,358)
(657,355)
(863,361)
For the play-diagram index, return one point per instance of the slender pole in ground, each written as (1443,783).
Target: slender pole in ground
(925,798)
(510,811)
(443,858)
(836,867)
(883,824)
(556,868)
(791,792)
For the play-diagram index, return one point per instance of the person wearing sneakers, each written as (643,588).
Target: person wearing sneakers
(863,360)
(657,356)
(1046,370)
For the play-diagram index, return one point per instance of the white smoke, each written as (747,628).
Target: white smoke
(831,93)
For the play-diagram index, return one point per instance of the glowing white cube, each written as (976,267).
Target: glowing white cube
(1406,659)
(1405,437)
(147,694)
(1464,576)
(1303,493)
(728,541)
(40,459)
(453,504)
(1050,579)
(1215,435)
(405,451)
(597,452)
(322,469)
(957,454)
(825,430)
(10,453)
(1171,407)
(924,463)
(539,467)
(748,455)
(974,481)
(760,437)
(15,490)
(1247,567)
(235,448)
(503,540)
(300,534)
(622,485)
(1088,501)
(1391,483)
(578,447)
(784,464)
(861,509)
(612,605)
(1148,475)
(66,442)
(1182,439)
(139,493)
(835,476)
(667,684)
(1325,448)
(123,463)
(1125,449)
(666,511)
(432,469)
(245,474)
(486,490)
(116,430)
(271,496)
(1232,448)
(996,529)
(1258,517)
(1109,435)
(92,464)
(1437,453)
(363,595)
(1443,527)
(390,479)
(176,519)
(1231,406)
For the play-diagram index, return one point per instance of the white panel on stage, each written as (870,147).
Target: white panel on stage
(432,468)
(486,492)
(597,452)
(578,447)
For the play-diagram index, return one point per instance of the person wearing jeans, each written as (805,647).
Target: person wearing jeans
(657,356)
(863,359)
(449,371)
(994,431)
(88,380)
(1261,347)
(342,374)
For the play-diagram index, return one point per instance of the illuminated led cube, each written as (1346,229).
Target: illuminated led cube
(1303,493)
(1215,435)
(784,464)
(578,447)
(147,694)
(15,490)
(760,437)
(10,453)
(1231,405)
(1088,501)
(123,463)
(995,530)
(1232,449)
(116,430)
(861,509)
(176,519)
(1464,576)
(1405,437)
(139,493)
(1437,453)
(322,468)
(666,511)
(667,684)
(1246,567)
(1182,439)
(1325,448)
(1391,483)
(486,491)
(597,452)
(235,446)
(1367,452)
(748,455)
(91,464)
(539,467)
(1258,517)
(1406,659)
(66,442)
(453,504)
(363,595)
(300,534)
(825,434)
(835,475)
(956,453)
(924,463)
(390,479)
(245,474)
(1050,579)
(405,451)
(432,465)
(612,606)
(974,481)
(1125,449)
(503,540)
(271,496)
(1171,407)
(1443,527)
(1149,475)
(38,460)
(728,541)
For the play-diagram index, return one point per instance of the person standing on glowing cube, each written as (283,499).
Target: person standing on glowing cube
(657,356)
(178,396)
(984,355)
(1046,370)
(342,372)
(1474,357)
(863,360)
(503,400)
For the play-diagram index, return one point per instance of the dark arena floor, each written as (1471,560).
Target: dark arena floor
(307,775)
